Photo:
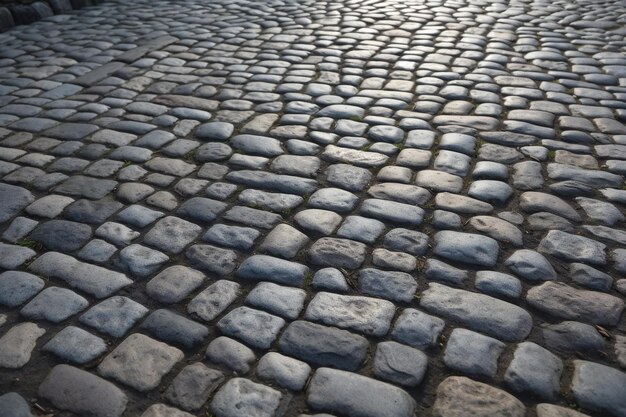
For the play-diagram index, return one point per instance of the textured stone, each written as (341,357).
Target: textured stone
(323,346)
(341,253)
(83,393)
(460,396)
(114,316)
(285,371)
(76,345)
(563,301)
(171,327)
(17,287)
(573,248)
(466,248)
(140,362)
(256,328)
(534,370)
(192,387)
(241,396)
(478,312)
(263,267)
(400,364)
(174,284)
(15,199)
(473,353)
(211,302)
(417,329)
(599,387)
(343,392)
(362,314)
(17,344)
(97,281)
(54,304)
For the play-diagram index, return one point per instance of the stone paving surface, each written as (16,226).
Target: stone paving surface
(357,208)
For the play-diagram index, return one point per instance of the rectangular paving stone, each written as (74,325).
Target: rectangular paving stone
(83,393)
(323,345)
(98,74)
(211,302)
(366,315)
(269,268)
(140,362)
(478,312)
(88,187)
(560,300)
(151,45)
(351,394)
(95,280)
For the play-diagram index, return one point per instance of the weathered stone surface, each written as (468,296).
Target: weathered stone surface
(17,287)
(174,284)
(230,353)
(83,393)
(97,281)
(255,328)
(343,392)
(172,234)
(269,268)
(599,388)
(15,199)
(283,370)
(114,316)
(241,396)
(550,410)
(170,327)
(466,248)
(192,387)
(572,337)
(140,362)
(211,302)
(17,344)
(366,315)
(76,345)
(323,346)
(390,285)
(212,259)
(334,252)
(535,370)
(458,396)
(54,304)
(561,300)
(473,353)
(417,329)
(284,301)
(573,247)
(400,364)
(530,265)
(162,410)
(478,312)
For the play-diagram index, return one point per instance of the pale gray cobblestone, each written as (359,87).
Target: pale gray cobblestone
(403,191)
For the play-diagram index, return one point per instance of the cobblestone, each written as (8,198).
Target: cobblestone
(400,191)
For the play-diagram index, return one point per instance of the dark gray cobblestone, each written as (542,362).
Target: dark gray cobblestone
(280,209)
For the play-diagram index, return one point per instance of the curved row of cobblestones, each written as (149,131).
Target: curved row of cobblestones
(372,208)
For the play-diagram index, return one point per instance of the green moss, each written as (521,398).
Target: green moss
(30,243)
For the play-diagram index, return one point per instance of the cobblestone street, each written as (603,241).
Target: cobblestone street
(298,208)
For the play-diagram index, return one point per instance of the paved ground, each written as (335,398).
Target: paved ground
(283,208)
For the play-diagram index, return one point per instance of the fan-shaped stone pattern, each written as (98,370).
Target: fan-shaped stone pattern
(374,187)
